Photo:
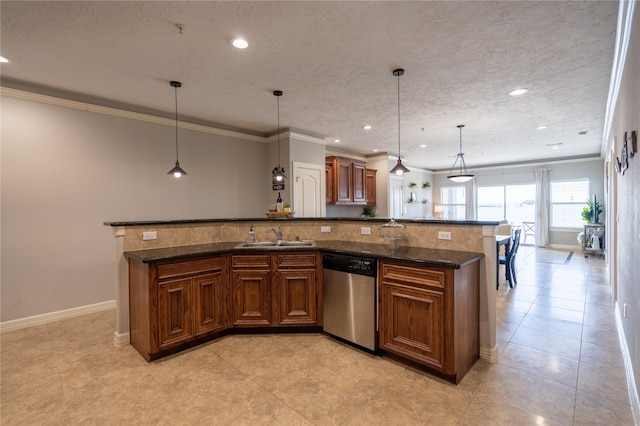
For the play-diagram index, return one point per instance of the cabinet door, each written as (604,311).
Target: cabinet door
(359,183)
(343,185)
(174,312)
(251,298)
(329,182)
(209,303)
(370,186)
(294,301)
(412,323)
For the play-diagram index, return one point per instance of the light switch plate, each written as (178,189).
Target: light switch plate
(325,229)
(442,235)
(149,235)
(365,230)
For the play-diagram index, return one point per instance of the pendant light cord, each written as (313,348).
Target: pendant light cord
(175,87)
(399,74)
(278,130)
(463,166)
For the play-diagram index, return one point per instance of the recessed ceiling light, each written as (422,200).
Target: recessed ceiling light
(584,132)
(3,59)
(423,146)
(239,42)
(367,127)
(554,145)
(375,150)
(336,140)
(518,92)
(541,127)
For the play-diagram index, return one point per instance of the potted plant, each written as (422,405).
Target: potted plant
(426,185)
(412,184)
(286,207)
(591,212)
(368,212)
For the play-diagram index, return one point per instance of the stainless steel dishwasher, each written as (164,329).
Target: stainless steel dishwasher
(350,308)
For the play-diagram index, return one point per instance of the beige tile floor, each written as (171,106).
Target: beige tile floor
(560,364)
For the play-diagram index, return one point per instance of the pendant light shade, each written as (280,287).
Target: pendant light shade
(277,174)
(177,171)
(460,173)
(399,168)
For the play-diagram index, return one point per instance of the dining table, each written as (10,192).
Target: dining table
(501,240)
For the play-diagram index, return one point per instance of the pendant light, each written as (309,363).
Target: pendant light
(177,170)
(462,174)
(278,172)
(399,168)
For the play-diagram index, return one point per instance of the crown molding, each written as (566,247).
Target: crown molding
(116,112)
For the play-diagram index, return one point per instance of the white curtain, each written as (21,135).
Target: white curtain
(542,208)
(470,207)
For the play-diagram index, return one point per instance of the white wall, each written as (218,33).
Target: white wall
(66,171)
(627,188)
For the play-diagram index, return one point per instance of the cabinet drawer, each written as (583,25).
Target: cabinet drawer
(168,270)
(296,260)
(251,261)
(412,275)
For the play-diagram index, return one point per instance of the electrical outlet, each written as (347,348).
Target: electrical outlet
(442,235)
(325,229)
(149,235)
(365,230)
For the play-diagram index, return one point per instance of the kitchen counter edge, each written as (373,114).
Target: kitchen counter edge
(452,259)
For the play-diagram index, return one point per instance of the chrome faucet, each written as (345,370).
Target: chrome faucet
(277,232)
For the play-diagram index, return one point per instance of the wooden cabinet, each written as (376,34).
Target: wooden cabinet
(295,289)
(329,174)
(174,312)
(251,278)
(343,181)
(347,182)
(430,315)
(370,186)
(359,183)
(278,289)
(175,303)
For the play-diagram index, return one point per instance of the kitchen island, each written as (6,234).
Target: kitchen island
(422,247)
(183,296)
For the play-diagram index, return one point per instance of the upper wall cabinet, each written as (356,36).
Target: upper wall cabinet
(348,182)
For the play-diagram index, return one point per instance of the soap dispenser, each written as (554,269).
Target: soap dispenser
(251,238)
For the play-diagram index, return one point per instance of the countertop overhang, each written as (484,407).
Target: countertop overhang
(431,257)
(307,219)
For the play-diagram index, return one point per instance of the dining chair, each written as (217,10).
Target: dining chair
(509,260)
(529,229)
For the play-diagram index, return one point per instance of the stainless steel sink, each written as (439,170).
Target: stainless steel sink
(280,244)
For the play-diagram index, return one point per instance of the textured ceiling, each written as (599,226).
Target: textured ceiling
(334,62)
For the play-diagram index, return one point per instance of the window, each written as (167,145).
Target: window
(568,198)
(453,201)
(514,203)
(491,203)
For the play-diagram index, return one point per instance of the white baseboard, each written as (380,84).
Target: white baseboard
(631,382)
(121,339)
(56,316)
(489,354)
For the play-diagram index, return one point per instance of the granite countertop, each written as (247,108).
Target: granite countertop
(305,219)
(431,257)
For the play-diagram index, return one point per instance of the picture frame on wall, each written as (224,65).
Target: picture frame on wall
(624,156)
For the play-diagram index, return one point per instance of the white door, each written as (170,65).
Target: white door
(396,186)
(309,192)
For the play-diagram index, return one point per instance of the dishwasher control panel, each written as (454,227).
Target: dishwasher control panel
(353,264)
